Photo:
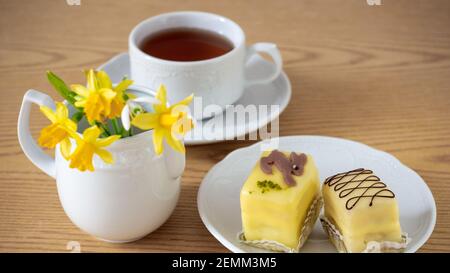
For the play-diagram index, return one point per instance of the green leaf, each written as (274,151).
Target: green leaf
(61,87)
(77,116)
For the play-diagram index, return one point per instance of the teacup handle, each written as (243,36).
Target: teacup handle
(273,51)
(29,146)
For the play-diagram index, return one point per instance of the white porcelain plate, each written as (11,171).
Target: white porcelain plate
(276,93)
(218,196)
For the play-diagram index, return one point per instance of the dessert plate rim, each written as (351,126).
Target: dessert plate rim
(201,194)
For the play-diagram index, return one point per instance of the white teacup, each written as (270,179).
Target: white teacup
(219,81)
(121,202)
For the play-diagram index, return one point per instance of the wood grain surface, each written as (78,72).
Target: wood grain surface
(375,74)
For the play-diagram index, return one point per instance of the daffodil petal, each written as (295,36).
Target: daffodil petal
(173,142)
(105,155)
(51,135)
(159,108)
(107,94)
(81,103)
(131,96)
(161,94)
(61,111)
(186,101)
(116,108)
(81,158)
(48,113)
(65,147)
(102,142)
(92,83)
(107,97)
(182,126)
(158,136)
(75,135)
(104,80)
(123,85)
(179,110)
(70,125)
(146,121)
(91,134)
(80,90)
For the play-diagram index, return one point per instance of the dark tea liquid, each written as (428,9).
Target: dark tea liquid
(186,44)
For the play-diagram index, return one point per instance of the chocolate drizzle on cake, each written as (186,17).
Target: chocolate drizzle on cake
(288,167)
(352,181)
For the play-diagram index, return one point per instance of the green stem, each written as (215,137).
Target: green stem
(116,126)
(104,127)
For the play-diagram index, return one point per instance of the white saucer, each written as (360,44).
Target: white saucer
(218,196)
(276,93)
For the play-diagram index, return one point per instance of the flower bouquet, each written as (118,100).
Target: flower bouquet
(110,112)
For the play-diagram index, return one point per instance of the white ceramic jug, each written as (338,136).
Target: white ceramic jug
(121,202)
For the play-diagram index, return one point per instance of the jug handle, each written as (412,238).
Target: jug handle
(29,146)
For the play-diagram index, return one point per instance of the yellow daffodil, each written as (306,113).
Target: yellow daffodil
(94,98)
(60,129)
(169,122)
(87,146)
(118,102)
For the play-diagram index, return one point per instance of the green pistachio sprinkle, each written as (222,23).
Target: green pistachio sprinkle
(267,185)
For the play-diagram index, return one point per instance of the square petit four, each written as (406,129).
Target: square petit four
(280,201)
(361,213)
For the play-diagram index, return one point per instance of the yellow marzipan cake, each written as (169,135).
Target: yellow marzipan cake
(280,201)
(361,213)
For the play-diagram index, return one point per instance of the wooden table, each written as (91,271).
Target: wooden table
(375,74)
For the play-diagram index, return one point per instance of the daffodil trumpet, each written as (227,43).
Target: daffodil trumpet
(89,144)
(111,113)
(60,129)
